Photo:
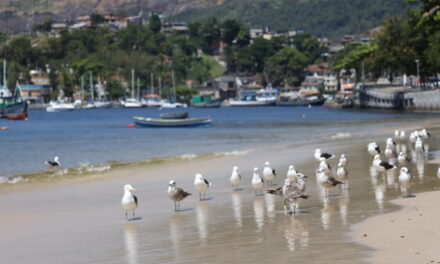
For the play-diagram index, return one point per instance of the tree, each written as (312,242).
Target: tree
(287,62)
(97,19)
(209,36)
(230,30)
(46,26)
(154,23)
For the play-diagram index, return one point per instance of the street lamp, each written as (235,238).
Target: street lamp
(418,71)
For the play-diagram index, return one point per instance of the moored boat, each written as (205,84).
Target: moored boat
(187,122)
(264,97)
(59,106)
(205,101)
(174,115)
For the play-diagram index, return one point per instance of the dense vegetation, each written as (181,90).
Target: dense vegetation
(319,17)
(398,44)
(112,56)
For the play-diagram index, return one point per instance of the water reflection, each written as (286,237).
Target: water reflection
(259,212)
(176,222)
(420,165)
(326,213)
(236,205)
(131,231)
(391,176)
(343,206)
(379,195)
(296,230)
(270,206)
(202,221)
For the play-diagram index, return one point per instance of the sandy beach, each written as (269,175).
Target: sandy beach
(409,235)
(80,220)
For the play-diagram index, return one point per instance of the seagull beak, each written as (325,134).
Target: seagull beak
(133,189)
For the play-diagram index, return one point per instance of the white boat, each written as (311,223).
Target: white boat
(131,103)
(152,100)
(59,106)
(102,104)
(169,104)
(264,97)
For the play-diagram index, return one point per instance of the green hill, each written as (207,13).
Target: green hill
(331,18)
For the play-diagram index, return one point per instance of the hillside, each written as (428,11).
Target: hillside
(332,18)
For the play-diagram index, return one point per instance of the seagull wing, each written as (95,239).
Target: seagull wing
(135,200)
(206,182)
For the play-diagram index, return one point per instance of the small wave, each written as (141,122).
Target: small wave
(11,180)
(189,156)
(340,135)
(86,167)
(232,153)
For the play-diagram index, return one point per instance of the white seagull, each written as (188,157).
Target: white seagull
(323,165)
(176,194)
(405,179)
(54,163)
(257,182)
(343,160)
(291,173)
(396,134)
(413,136)
(419,147)
(342,173)
(382,166)
(318,155)
(326,181)
(129,201)
(373,148)
(202,185)
(235,178)
(424,134)
(389,152)
(269,174)
(402,136)
(391,143)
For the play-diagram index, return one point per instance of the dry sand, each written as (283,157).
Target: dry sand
(410,235)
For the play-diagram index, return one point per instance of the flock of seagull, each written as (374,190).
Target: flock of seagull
(294,188)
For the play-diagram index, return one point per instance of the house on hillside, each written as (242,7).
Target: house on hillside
(179,27)
(35,93)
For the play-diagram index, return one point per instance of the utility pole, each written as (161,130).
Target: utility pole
(418,69)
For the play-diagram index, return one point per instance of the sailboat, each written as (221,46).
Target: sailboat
(132,101)
(173,103)
(11,106)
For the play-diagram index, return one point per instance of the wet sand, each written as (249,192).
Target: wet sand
(81,220)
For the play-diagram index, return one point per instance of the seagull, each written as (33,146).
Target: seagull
(326,181)
(413,136)
(402,159)
(319,155)
(402,136)
(291,193)
(291,173)
(424,134)
(343,160)
(323,165)
(342,173)
(257,182)
(235,178)
(396,134)
(373,149)
(420,148)
(389,152)
(269,174)
(53,164)
(382,165)
(391,143)
(405,179)
(176,194)
(129,201)
(202,185)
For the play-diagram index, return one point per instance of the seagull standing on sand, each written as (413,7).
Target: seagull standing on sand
(202,185)
(235,178)
(405,179)
(129,201)
(257,182)
(269,174)
(343,160)
(390,142)
(373,148)
(291,173)
(382,166)
(424,134)
(326,181)
(318,155)
(396,134)
(323,165)
(291,192)
(53,164)
(342,173)
(419,147)
(413,136)
(176,194)
(389,152)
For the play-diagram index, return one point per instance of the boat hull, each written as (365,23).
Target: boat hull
(212,104)
(188,122)
(250,103)
(15,111)
(318,102)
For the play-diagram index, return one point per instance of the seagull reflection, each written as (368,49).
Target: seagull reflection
(131,231)
(270,205)
(420,164)
(343,206)
(373,172)
(379,194)
(391,179)
(236,204)
(296,230)
(175,233)
(326,213)
(259,212)
(202,220)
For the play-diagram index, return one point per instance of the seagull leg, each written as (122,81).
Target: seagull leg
(133,215)
(126,217)
(200,196)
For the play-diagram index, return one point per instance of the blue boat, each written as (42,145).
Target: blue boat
(187,122)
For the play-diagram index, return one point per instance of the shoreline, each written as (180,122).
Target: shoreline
(411,233)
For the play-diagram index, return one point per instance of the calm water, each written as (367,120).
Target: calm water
(100,135)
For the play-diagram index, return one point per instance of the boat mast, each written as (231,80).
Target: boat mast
(152,82)
(82,87)
(91,86)
(174,85)
(160,86)
(138,89)
(5,83)
(132,83)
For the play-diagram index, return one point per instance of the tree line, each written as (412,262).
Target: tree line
(151,53)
